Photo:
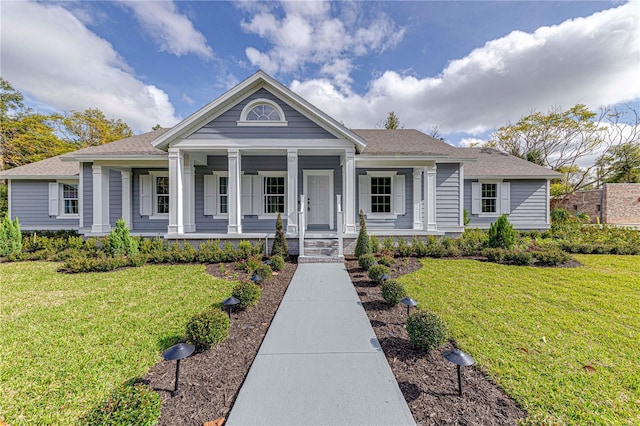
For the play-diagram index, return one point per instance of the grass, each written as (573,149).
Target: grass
(533,330)
(68,340)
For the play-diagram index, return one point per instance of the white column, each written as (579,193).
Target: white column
(417,198)
(235,195)
(189,195)
(349,188)
(125,178)
(430,197)
(292,191)
(100,200)
(461,194)
(176,191)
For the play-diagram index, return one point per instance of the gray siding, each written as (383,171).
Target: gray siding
(87,197)
(207,223)
(322,163)
(448,194)
(115,196)
(528,202)
(143,223)
(404,221)
(225,126)
(30,204)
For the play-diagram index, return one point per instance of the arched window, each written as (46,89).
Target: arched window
(262,112)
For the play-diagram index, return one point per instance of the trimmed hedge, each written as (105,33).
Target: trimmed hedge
(393,291)
(366,261)
(377,271)
(248,293)
(426,330)
(207,329)
(277,262)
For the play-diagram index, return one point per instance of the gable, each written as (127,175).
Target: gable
(225,126)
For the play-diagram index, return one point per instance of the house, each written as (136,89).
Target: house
(259,150)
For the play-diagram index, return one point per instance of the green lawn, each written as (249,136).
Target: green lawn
(534,329)
(68,340)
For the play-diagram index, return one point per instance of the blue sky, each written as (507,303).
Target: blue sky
(465,67)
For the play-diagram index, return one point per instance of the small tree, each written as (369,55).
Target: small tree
(120,241)
(280,246)
(363,245)
(10,237)
(501,234)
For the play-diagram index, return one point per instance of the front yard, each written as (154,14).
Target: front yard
(563,342)
(68,339)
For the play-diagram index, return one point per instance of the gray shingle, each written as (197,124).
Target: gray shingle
(492,162)
(50,167)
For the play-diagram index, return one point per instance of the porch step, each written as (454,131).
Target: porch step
(321,250)
(321,259)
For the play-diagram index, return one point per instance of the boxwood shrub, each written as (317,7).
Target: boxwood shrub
(393,291)
(207,329)
(426,330)
(247,293)
(366,261)
(277,262)
(377,271)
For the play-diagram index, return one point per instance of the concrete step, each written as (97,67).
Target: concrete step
(320,243)
(321,251)
(320,259)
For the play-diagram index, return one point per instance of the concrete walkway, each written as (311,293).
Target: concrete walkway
(320,362)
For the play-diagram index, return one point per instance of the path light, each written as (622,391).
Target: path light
(409,303)
(229,303)
(384,277)
(256,278)
(178,352)
(267,262)
(459,358)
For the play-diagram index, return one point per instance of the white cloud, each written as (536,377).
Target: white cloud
(593,60)
(172,31)
(309,33)
(49,54)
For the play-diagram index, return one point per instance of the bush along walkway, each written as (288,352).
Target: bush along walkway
(210,380)
(427,381)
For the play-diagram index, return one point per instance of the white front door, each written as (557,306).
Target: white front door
(319,199)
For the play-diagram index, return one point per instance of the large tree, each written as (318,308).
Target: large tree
(621,162)
(392,121)
(91,128)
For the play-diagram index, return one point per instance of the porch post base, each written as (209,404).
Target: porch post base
(235,229)
(175,229)
(99,229)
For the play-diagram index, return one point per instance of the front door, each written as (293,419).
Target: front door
(319,201)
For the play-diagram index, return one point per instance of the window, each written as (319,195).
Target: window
(489,197)
(161,194)
(380,194)
(274,195)
(262,112)
(223,194)
(69,199)
(64,199)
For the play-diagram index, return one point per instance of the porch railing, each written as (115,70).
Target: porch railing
(301,225)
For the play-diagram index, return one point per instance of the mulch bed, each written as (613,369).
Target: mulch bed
(210,380)
(428,382)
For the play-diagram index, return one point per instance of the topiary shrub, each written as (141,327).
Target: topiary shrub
(426,330)
(280,246)
(10,237)
(387,261)
(377,271)
(277,262)
(552,256)
(129,404)
(363,244)
(501,234)
(247,293)
(263,271)
(120,242)
(393,291)
(207,329)
(366,261)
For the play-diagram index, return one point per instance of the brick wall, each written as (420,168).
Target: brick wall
(581,202)
(621,203)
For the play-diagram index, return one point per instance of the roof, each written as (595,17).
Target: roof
(50,168)
(494,163)
(402,142)
(138,145)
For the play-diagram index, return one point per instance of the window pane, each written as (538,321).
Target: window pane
(381,195)
(224,184)
(70,206)
(163,204)
(162,185)
(489,190)
(69,191)
(224,204)
(263,113)
(274,194)
(70,198)
(488,205)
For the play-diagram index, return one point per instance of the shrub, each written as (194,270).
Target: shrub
(426,330)
(247,293)
(210,252)
(277,262)
(375,244)
(138,259)
(388,245)
(229,252)
(280,246)
(436,250)
(501,234)
(366,261)
(207,329)
(387,261)
(245,248)
(393,291)
(10,236)
(419,247)
(263,271)
(129,404)
(377,271)
(149,245)
(404,249)
(493,254)
(363,244)
(519,257)
(120,242)
(552,256)
(473,241)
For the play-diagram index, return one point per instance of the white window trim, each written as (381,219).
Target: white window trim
(245,111)
(154,214)
(263,175)
(498,212)
(219,215)
(391,215)
(61,213)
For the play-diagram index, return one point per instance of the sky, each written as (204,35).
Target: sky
(464,67)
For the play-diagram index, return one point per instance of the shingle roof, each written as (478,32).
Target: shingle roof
(492,162)
(402,142)
(135,145)
(50,167)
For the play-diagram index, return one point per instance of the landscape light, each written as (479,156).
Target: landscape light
(459,358)
(176,353)
(409,303)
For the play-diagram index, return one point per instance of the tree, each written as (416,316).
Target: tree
(392,122)
(91,128)
(621,163)
(363,244)
(280,246)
